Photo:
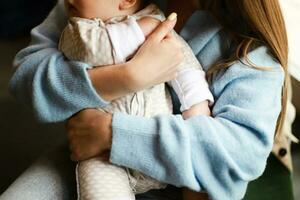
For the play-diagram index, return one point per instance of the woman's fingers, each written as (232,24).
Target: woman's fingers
(164,28)
(89,134)
(159,57)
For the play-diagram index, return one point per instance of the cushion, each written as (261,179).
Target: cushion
(292,18)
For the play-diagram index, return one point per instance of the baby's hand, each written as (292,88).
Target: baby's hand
(148,25)
(198,109)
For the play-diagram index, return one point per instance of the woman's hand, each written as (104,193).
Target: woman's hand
(89,134)
(158,58)
(156,62)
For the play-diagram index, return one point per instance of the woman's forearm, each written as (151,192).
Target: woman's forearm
(111,82)
(52,86)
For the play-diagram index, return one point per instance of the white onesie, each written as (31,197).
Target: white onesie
(115,41)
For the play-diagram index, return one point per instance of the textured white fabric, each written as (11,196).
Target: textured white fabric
(135,37)
(96,177)
(190,85)
(89,41)
(99,43)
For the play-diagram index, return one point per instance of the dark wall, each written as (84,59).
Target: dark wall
(17,17)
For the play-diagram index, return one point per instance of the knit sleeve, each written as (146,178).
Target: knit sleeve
(55,88)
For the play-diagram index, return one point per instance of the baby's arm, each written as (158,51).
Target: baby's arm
(192,90)
(191,86)
(198,109)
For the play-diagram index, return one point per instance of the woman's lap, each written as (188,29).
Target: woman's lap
(53,177)
(50,177)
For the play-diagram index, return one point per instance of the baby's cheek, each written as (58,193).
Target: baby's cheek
(86,8)
(103,9)
(106,9)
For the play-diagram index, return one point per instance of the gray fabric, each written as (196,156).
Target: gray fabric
(50,177)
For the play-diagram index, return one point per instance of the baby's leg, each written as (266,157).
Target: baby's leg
(191,195)
(100,180)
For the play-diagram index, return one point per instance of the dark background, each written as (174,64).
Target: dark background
(22,139)
(18,16)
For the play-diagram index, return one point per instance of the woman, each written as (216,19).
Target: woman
(243,47)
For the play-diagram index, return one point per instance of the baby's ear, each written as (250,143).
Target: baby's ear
(126,4)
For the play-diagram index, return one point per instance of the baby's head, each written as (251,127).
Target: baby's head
(103,9)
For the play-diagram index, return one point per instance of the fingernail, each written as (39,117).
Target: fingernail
(172,16)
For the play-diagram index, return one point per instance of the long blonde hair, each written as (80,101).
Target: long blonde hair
(252,23)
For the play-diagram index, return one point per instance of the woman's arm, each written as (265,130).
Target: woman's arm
(220,154)
(54,87)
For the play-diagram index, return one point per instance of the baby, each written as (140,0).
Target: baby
(108,32)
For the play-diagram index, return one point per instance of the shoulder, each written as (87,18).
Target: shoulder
(266,77)
(211,43)
(262,57)
(200,29)
(258,63)
(206,37)
(58,14)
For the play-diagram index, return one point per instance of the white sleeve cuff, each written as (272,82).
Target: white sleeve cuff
(126,38)
(192,88)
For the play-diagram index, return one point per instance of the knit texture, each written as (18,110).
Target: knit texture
(219,154)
